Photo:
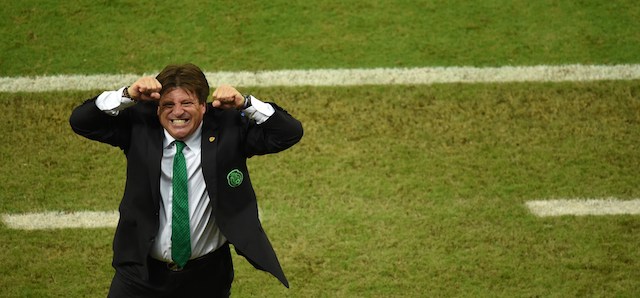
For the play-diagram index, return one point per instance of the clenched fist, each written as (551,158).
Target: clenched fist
(145,88)
(227,97)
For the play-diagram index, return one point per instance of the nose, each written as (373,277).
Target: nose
(177,110)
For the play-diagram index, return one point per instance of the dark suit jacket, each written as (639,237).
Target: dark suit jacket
(228,139)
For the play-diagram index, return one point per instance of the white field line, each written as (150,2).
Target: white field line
(583,207)
(109,219)
(61,220)
(344,77)
(66,220)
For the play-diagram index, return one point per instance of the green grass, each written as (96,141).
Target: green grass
(394,191)
(51,37)
(405,191)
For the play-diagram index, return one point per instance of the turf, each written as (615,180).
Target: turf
(394,191)
(52,37)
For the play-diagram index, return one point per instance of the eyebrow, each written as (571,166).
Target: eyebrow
(179,100)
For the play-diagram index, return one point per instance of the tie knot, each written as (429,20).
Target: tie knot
(179,146)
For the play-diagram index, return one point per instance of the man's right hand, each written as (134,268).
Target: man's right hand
(145,88)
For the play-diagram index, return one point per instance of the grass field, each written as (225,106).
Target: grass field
(82,36)
(394,191)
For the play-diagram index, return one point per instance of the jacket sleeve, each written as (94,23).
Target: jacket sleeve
(90,122)
(278,133)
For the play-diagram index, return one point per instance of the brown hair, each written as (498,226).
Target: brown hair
(185,76)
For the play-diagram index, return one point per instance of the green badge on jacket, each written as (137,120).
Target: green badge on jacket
(235,178)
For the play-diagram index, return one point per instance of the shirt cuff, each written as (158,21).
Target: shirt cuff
(259,111)
(112,102)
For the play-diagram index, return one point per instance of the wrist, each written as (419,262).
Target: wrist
(247,102)
(125,93)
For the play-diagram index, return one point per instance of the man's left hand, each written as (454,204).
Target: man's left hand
(227,97)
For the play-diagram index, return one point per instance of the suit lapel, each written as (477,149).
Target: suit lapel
(209,147)
(154,154)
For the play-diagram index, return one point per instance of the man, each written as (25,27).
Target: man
(188,193)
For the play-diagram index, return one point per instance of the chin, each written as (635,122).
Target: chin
(179,135)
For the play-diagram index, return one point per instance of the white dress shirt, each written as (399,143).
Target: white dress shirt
(205,234)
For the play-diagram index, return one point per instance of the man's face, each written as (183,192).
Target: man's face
(180,113)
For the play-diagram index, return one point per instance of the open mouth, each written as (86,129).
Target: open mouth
(179,121)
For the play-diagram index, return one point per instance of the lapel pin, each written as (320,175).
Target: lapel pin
(211,139)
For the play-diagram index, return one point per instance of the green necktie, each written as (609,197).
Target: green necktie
(181,236)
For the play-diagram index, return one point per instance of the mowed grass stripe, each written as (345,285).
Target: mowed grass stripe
(344,77)
(583,207)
